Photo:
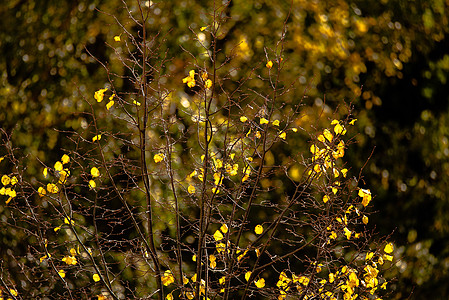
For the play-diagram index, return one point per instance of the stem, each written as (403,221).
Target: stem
(142,126)
(178,226)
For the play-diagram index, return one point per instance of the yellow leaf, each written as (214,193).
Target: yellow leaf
(14,180)
(388,248)
(388,257)
(366,195)
(365,220)
(208,84)
(243,119)
(65,159)
(45,172)
(70,260)
(100,94)
(117,38)
(269,64)
(13,292)
(44,257)
(158,157)
(52,188)
(218,236)
(353,280)
(96,138)
(190,80)
(63,176)
(336,173)
(5,180)
(239,258)
(109,105)
(380,260)
(191,189)
(58,166)
(347,233)
(275,123)
(339,129)
(8,192)
(224,228)
(328,135)
(218,179)
(220,247)
(258,229)
(61,273)
(94,172)
(247,275)
(260,283)
(96,277)
(263,121)
(92,184)
(325,198)
(167,278)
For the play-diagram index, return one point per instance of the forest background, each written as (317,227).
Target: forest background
(389,59)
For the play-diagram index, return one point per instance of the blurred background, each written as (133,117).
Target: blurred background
(389,59)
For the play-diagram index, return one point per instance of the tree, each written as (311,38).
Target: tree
(190,194)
